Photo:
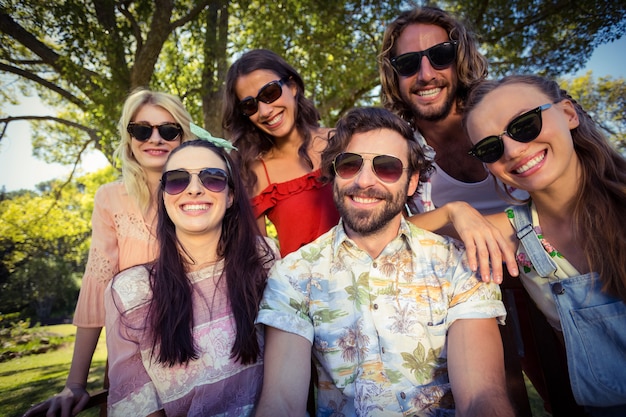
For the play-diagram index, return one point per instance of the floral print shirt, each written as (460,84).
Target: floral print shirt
(378,326)
(212,385)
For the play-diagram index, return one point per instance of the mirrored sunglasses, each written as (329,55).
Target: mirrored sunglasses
(269,93)
(386,167)
(176,181)
(440,56)
(143,131)
(524,128)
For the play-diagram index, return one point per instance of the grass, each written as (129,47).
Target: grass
(30,379)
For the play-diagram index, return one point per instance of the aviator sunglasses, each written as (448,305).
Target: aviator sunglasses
(269,93)
(524,128)
(176,181)
(143,131)
(386,167)
(440,56)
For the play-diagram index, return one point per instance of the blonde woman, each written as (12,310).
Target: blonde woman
(152,124)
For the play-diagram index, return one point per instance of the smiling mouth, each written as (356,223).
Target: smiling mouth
(530,164)
(364,200)
(195,207)
(429,93)
(275,120)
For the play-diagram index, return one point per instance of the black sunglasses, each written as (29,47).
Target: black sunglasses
(440,56)
(269,93)
(524,128)
(143,131)
(386,167)
(176,181)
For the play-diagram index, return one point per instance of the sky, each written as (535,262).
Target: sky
(20,170)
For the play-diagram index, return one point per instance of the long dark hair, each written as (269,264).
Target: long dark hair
(470,64)
(251,141)
(246,262)
(601,197)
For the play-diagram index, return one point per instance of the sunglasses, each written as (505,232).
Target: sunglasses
(143,131)
(440,56)
(176,181)
(269,93)
(386,167)
(524,128)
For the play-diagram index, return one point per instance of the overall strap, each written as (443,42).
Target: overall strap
(544,265)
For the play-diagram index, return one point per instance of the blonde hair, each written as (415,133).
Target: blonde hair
(133,175)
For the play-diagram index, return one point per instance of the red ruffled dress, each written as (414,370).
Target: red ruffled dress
(301,209)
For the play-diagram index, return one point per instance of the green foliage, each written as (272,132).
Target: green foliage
(84,59)
(34,378)
(20,340)
(44,246)
(604,99)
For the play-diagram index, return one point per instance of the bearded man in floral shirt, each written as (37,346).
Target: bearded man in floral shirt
(396,322)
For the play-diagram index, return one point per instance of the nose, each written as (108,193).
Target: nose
(426,71)
(155,137)
(513,148)
(195,186)
(264,109)
(366,176)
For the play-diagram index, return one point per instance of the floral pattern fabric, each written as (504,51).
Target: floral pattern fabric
(378,326)
(538,287)
(212,385)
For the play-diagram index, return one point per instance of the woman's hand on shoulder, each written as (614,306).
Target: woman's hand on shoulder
(487,240)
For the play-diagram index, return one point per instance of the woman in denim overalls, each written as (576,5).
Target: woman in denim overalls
(572,259)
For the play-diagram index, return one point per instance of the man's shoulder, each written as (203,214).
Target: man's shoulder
(431,241)
(314,251)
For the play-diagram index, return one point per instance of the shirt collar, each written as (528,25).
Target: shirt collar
(341,238)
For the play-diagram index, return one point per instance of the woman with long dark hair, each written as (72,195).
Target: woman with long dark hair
(277,131)
(180,330)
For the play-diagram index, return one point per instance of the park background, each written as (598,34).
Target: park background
(45,205)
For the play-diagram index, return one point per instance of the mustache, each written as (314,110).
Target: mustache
(420,85)
(365,192)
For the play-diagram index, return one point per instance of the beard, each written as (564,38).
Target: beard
(431,113)
(368,222)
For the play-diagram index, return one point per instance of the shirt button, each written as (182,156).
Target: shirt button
(403,395)
(375,265)
(382,349)
(375,306)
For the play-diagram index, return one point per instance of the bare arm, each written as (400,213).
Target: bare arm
(476,369)
(74,396)
(287,374)
(262,227)
(487,239)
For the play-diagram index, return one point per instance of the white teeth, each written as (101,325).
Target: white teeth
(275,120)
(195,207)
(364,200)
(528,165)
(431,92)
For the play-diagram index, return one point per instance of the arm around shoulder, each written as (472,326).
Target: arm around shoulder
(476,369)
(287,375)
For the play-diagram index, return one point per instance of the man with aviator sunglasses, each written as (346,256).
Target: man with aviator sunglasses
(396,322)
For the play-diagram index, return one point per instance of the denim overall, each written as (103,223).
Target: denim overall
(594,329)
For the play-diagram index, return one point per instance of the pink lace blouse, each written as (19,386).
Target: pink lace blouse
(121,237)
